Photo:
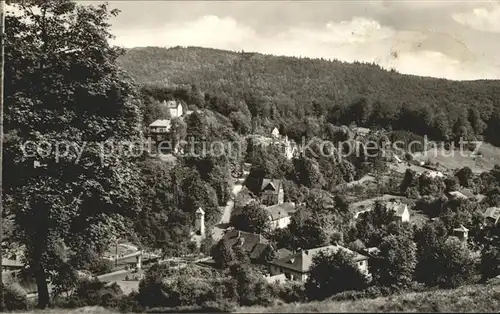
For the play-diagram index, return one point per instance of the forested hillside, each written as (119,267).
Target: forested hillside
(304,95)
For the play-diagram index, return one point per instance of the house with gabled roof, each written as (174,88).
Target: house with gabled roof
(492,215)
(253,244)
(275,133)
(175,108)
(160,127)
(271,192)
(462,194)
(461,232)
(280,215)
(400,210)
(296,266)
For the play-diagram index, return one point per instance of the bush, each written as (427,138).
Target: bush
(94,293)
(15,297)
(219,306)
(130,303)
(290,292)
(101,266)
(369,293)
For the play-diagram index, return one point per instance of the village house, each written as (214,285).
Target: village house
(290,148)
(271,192)
(492,215)
(360,131)
(160,127)
(11,264)
(280,215)
(433,174)
(275,133)
(461,232)
(296,266)
(401,211)
(175,108)
(253,244)
(462,194)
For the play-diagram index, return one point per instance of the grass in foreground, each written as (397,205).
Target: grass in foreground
(475,298)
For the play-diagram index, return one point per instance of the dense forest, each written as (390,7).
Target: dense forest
(306,97)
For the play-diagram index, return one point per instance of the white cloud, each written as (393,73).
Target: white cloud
(359,39)
(480,19)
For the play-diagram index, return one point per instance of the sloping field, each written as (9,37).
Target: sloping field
(457,159)
(477,298)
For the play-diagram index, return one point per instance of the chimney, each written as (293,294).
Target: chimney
(239,233)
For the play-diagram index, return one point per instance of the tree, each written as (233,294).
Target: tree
(252,218)
(451,184)
(332,273)
(490,262)
(251,287)
(307,231)
(80,99)
(409,180)
(444,263)
(396,262)
(464,176)
(223,254)
(308,172)
(372,226)
(489,239)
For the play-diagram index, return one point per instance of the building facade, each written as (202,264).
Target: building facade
(296,266)
(272,192)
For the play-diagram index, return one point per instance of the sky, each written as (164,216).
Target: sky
(457,40)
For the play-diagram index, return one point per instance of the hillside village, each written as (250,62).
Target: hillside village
(248,192)
(262,221)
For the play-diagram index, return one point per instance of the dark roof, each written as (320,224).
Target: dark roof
(275,183)
(251,243)
(172,104)
(301,262)
(280,210)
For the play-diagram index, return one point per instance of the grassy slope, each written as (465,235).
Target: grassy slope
(480,298)
(474,298)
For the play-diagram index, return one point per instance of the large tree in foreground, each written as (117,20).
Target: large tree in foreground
(333,273)
(63,88)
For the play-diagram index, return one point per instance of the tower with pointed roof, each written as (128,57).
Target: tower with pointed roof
(199,223)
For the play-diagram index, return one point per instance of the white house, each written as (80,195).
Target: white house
(160,127)
(280,215)
(275,133)
(360,131)
(434,174)
(290,148)
(175,108)
(296,266)
(492,215)
(401,211)
(461,232)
